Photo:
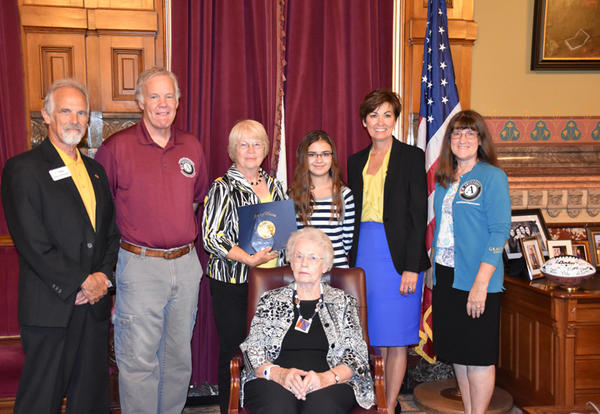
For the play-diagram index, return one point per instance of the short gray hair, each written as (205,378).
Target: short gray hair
(316,236)
(48,105)
(149,74)
(246,129)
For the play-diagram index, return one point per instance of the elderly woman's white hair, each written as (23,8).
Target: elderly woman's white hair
(248,128)
(320,239)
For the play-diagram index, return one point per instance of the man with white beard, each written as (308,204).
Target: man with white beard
(61,217)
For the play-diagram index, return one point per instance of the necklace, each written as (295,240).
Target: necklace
(303,325)
(260,177)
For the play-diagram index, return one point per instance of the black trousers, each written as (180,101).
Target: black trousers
(268,397)
(230,303)
(71,361)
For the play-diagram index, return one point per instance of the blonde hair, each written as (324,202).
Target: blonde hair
(149,74)
(316,236)
(248,128)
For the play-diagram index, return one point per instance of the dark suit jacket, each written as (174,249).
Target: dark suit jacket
(404,205)
(57,245)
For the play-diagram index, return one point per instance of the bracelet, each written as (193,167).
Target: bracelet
(267,371)
(336,376)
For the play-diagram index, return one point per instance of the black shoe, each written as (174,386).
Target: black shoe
(398,408)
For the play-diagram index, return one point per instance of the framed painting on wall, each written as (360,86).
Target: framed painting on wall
(566,35)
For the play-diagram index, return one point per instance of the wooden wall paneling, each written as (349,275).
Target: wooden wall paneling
(130,20)
(121,59)
(68,3)
(53,17)
(121,4)
(52,56)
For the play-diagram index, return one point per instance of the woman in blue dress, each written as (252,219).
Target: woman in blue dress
(389,185)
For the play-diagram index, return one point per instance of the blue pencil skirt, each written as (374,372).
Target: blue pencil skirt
(393,319)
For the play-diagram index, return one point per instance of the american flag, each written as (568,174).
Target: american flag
(439,102)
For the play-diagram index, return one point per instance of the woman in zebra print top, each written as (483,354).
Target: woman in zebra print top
(320,198)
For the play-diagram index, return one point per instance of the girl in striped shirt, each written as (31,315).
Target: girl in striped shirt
(320,197)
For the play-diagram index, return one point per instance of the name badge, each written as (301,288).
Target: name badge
(60,173)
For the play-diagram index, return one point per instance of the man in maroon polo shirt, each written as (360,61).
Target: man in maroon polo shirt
(158,177)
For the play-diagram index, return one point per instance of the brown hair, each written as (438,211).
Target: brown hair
(378,97)
(468,119)
(301,184)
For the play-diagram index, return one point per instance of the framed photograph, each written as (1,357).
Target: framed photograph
(559,248)
(594,244)
(566,35)
(525,223)
(581,249)
(532,252)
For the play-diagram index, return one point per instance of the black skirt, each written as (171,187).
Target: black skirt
(457,337)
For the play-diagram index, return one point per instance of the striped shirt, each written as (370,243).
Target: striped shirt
(340,233)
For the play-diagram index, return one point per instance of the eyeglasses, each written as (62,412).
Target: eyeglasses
(256,145)
(467,133)
(317,155)
(311,258)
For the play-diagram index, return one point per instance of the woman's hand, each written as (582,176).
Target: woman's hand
(408,283)
(478,292)
(314,381)
(476,301)
(263,256)
(291,380)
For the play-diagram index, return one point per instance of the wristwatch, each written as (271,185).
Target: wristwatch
(267,371)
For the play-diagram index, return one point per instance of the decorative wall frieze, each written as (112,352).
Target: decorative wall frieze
(557,203)
(101,126)
(543,130)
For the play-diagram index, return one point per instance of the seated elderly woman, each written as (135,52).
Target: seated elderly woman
(305,352)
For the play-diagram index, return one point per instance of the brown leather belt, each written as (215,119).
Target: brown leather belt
(165,254)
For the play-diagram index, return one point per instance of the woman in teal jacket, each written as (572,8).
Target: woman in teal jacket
(472,211)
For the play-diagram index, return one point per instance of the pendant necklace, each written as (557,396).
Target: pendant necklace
(303,325)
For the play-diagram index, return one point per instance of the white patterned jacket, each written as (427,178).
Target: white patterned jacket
(341,323)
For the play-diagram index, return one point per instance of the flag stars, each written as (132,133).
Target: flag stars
(429,101)
(443,65)
(424,79)
(441,30)
(430,119)
(445,100)
(428,50)
(429,67)
(429,84)
(440,12)
(444,82)
(442,47)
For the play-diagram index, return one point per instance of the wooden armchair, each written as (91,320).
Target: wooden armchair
(351,281)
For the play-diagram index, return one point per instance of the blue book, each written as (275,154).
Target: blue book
(266,224)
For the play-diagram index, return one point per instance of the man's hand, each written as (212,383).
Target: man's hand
(80,299)
(94,287)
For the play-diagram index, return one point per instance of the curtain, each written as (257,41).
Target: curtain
(226,57)
(337,52)
(13,140)
(13,133)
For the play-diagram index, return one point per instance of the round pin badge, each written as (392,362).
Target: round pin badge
(470,190)
(187,167)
